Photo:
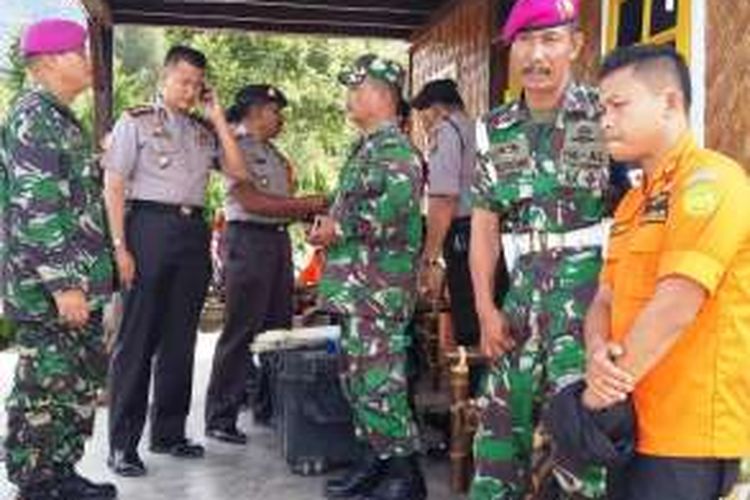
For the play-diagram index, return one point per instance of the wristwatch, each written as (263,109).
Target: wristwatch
(435,262)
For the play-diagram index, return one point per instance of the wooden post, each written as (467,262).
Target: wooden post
(102,53)
(460,449)
(464,416)
(101,39)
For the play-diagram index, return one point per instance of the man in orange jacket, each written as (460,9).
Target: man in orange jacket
(670,324)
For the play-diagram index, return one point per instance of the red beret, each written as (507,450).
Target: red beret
(537,14)
(52,36)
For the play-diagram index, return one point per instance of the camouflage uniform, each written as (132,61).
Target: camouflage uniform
(56,240)
(543,179)
(370,279)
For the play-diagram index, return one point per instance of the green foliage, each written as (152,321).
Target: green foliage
(130,89)
(13,80)
(215,194)
(305,68)
(316,136)
(140,49)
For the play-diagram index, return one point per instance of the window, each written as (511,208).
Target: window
(649,21)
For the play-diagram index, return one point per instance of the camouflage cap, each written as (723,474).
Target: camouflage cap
(376,67)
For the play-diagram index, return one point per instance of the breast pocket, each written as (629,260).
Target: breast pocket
(510,159)
(643,255)
(260,173)
(585,158)
(162,152)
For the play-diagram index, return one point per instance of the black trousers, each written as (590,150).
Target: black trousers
(661,478)
(159,326)
(259,288)
(458,276)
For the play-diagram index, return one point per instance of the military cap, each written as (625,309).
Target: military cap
(528,15)
(52,36)
(253,95)
(376,67)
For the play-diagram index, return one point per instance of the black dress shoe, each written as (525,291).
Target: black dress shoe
(126,463)
(182,448)
(228,435)
(362,478)
(77,486)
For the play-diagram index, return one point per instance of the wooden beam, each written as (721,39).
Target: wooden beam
(270,25)
(419,7)
(101,37)
(218,12)
(99,10)
(406,7)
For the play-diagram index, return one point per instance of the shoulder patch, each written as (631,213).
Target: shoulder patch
(701,198)
(504,117)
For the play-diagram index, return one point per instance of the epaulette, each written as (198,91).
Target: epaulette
(145,109)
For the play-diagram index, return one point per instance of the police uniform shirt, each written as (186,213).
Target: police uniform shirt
(269,173)
(452,160)
(165,156)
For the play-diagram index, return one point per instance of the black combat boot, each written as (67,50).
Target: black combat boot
(403,481)
(75,486)
(47,490)
(360,479)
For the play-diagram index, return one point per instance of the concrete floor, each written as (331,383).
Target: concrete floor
(255,471)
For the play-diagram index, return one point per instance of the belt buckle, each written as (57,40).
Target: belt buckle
(535,241)
(538,241)
(186,211)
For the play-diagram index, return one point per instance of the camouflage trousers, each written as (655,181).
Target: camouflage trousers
(546,306)
(374,377)
(52,404)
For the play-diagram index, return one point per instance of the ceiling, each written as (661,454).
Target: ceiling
(365,18)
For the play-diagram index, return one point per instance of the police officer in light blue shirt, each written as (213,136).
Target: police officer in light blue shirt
(157,168)
(259,271)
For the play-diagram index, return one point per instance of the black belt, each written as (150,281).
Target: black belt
(188,211)
(259,226)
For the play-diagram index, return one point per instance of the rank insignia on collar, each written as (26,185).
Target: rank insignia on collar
(656,210)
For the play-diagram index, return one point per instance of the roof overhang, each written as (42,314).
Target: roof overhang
(364,18)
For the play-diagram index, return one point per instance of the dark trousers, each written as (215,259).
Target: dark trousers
(159,325)
(660,478)
(458,277)
(460,288)
(259,287)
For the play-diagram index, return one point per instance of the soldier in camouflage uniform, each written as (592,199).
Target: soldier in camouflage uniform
(541,181)
(373,235)
(58,270)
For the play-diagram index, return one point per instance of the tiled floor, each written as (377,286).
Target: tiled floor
(227,473)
